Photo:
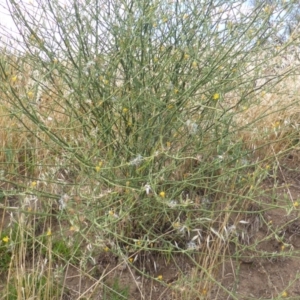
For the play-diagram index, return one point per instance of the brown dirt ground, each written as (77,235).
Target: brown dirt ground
(268,276)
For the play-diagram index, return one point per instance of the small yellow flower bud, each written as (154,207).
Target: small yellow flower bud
(30,94)
(216,96)
(33,184)
(176,225)
(284,294)
(162,194)
(5,239)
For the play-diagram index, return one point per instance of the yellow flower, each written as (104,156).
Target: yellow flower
(176,225)
(14,79)
(125,110)
(30,94)
(49,233)
(216,96)
(296,204)
(106,249)
(33,184)
(194,65)
(98,167)
(186,56)
(268,9)
(168,144)
(176,91)
(131,259)
(74,228)
(284,294)
(159,277)
(162,194)
(5,239)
